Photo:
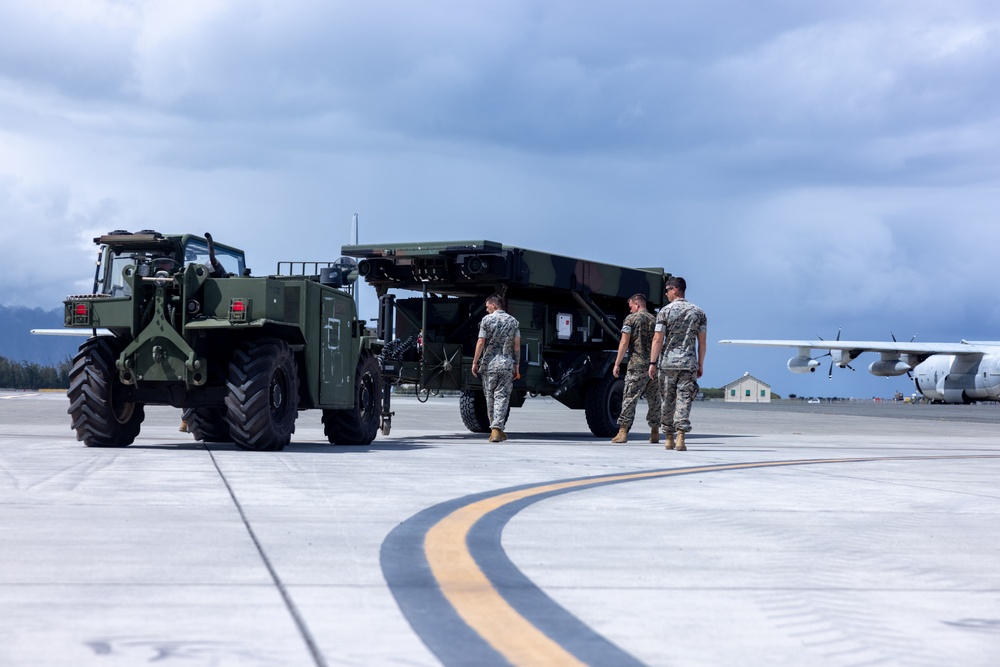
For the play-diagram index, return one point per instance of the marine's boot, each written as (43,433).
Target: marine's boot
(495,435)
(680,442)
(654,435)
(184,427)
(670,441)
(503,435)
(621,437)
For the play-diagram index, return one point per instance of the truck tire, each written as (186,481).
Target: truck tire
(604,405)
(358,425)
(100,415)
(472,404)
(208,423)
(263,397)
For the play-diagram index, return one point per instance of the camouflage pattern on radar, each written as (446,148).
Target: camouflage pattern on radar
(570,313)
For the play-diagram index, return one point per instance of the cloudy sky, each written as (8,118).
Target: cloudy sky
(806,166)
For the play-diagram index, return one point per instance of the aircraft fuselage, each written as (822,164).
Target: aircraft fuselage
(953,378)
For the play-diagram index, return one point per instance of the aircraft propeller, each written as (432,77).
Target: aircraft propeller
(834,359)
(913,338)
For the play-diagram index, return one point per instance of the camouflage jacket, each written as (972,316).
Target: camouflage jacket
(639,326)
(680,321)
(499,330)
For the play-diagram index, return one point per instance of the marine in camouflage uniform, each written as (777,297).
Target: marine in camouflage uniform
(681,330)
(637,340)
(498,351)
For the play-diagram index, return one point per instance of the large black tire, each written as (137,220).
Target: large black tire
(358,425)
(100,411)
(263,397)
(472,405)
(208,423)
(604,405)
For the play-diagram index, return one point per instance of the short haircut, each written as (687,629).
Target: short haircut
(638,298)
(678,282)
(495,299)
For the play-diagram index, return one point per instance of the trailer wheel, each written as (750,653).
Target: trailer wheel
(208,423)
(263,397)
(101,412)
(358,425)
(472,405)
(604,405)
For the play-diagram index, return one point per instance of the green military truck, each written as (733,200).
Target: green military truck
(570,312)
(178,320)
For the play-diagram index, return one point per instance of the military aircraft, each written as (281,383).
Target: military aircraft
(943,372)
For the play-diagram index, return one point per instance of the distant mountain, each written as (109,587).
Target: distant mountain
(18,344)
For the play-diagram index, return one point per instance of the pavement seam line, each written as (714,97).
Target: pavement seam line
(297,618)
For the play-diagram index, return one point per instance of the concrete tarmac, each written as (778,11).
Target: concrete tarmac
(824,534)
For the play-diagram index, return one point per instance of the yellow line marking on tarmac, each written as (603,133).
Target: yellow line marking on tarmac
(473,596)
(483,608)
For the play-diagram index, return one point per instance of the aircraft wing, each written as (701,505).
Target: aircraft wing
(859,346)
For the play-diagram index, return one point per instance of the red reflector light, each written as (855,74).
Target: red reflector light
(239,310)
(78,314)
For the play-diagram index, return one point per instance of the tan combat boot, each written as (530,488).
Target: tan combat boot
(495,435)
(680,442)
(503,435)
(184,427)
(621,437)
(670,441)
(654,435)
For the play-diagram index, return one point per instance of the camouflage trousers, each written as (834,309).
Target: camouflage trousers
(637,383)
(497,387)
(678,389)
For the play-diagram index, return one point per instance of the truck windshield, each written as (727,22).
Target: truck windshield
(147,262)
(114,282)
(196,252)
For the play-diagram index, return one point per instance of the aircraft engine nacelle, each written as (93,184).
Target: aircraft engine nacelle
(803,365)
(889,367)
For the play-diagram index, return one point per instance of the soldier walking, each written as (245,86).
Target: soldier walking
(499,350)
(681,329)
(637,339)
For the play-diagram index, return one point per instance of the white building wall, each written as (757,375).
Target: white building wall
(748,389)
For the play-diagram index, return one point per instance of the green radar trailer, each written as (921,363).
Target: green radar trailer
(431,300)
(178,320)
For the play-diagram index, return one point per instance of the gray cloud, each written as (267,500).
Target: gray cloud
(806,165)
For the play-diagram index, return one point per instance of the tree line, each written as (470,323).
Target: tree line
(27,375)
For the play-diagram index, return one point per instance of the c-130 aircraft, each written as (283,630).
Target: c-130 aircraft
(942,372)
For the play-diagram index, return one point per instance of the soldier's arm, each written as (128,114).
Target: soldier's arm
(517,355)
(654,353)
(702,335)
(480,344)
(622,347)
